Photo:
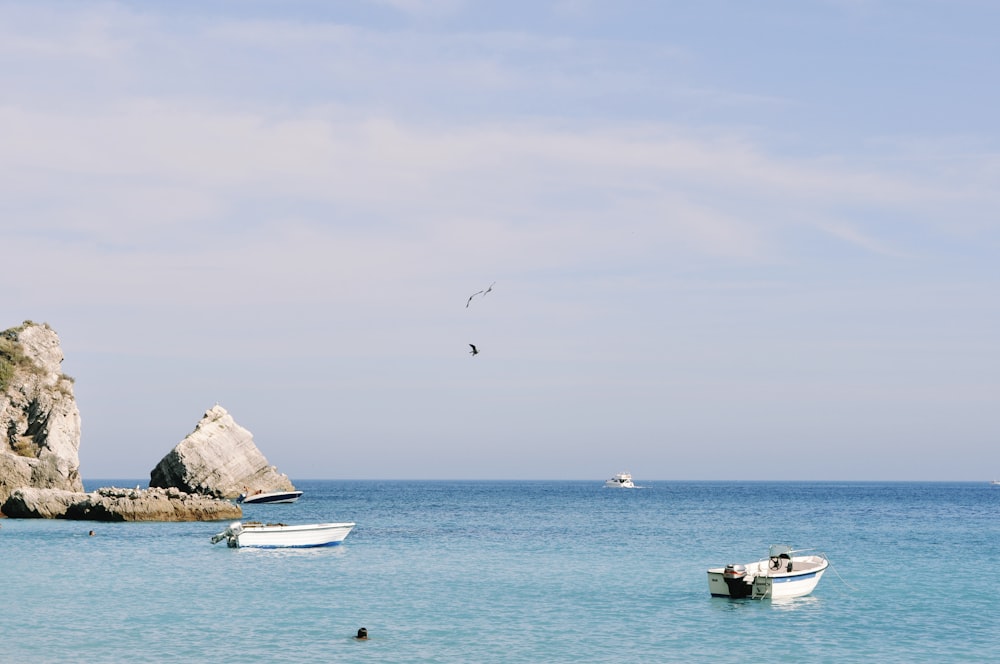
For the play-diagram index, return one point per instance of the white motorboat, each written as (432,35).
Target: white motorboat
(621,481)
(781,575)
(262,497)
(279,535)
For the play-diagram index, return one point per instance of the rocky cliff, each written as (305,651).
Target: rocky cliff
(39,419)
(218,458)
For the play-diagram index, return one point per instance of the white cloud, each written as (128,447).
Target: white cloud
(37,32)
(850,234)
(146,165)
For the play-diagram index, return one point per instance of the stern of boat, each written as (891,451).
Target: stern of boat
(231,534)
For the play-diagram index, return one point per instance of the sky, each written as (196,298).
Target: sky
(727,240)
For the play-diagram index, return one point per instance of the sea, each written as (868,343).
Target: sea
(519,571)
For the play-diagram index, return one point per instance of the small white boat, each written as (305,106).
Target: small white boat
(279,535)
(779,576)
(262,497)
(621,481)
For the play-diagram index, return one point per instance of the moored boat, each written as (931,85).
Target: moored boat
(621,480)
(263,497)
(779,576)
(279,535)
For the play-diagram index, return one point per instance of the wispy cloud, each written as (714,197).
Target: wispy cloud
(127,175)
(188,163)
(865,241)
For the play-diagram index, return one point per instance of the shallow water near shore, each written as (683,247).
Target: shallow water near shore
(512,571)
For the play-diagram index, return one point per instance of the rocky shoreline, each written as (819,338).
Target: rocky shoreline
(117,504)
(40,441)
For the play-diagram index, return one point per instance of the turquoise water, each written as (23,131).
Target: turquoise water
(518,572)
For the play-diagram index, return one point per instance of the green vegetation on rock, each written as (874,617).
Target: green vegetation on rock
(12,356)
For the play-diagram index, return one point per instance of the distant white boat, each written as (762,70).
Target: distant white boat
(621,481)
(279,535)
(779,576)
(269,497)
(995,482)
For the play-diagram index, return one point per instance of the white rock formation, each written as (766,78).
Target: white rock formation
(39,418)
(218,458)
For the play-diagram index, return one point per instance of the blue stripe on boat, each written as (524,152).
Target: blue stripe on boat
(289,546)
(798,577)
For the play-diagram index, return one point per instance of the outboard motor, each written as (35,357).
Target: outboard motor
(735,577)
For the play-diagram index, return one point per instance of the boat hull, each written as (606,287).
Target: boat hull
(281,536)
(763,582)
(272,497)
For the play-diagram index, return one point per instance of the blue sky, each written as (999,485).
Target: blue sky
(730,240)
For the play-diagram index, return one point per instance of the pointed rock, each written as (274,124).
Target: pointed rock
(219,459)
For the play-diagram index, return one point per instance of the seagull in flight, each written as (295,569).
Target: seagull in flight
(472,296)
(482,292)
(474,350)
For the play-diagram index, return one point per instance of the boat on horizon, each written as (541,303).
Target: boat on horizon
(279,535)
(622,480)
(262,497)
(781,575)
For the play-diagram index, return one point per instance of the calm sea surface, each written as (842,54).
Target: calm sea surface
(519,572)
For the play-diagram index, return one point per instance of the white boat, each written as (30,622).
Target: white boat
(779,576)
(262,497)
(279,535)
(621,481)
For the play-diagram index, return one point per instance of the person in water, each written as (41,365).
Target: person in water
(362,634)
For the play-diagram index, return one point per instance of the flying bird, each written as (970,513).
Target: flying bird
(470,298)
(482,292)
(474,350)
